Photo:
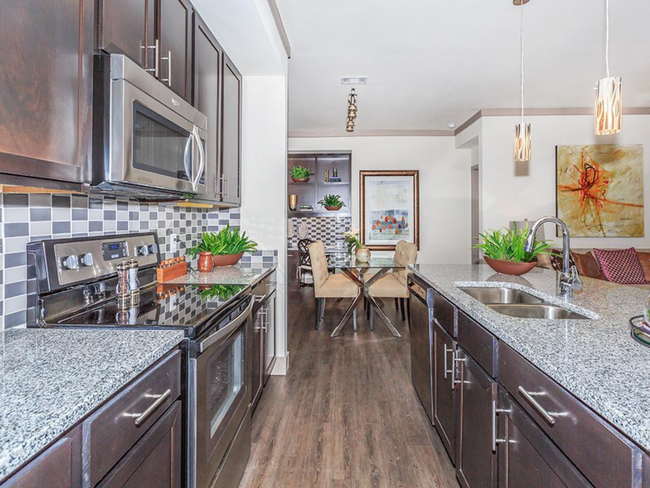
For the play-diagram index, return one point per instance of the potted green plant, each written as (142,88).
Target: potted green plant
(227,246)
(299,174)
(332,202)
(504,250)
(361,252)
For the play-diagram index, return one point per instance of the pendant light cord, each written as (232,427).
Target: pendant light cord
(607,36)
(521,37)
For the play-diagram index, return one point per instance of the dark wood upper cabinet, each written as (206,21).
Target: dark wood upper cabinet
(128,27)
(46,60)
(207,96)
(476,461)
(176,46)
(231,133)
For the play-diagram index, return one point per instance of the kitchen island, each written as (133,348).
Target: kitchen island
(52,379)
(594,359)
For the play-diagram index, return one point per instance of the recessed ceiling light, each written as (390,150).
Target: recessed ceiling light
(354,80)
(451,125)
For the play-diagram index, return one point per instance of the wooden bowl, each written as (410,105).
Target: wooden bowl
(509,267)
(333,209)
(300,180)
(227,259)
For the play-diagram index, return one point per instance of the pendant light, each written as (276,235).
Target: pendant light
(609,95)
(352,111)
(522,130)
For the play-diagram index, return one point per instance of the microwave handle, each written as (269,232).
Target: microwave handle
(197,178)
(187,161)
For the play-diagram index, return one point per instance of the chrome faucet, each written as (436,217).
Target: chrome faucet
(569,279)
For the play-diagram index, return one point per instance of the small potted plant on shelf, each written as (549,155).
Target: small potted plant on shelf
(361,252)
(227,246)
(332,202)
(504,250)
(299,174)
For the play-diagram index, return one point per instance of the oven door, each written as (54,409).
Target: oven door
(220,383)
(153,145)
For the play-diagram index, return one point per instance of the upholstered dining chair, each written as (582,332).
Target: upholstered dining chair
(328,285)
(394,284)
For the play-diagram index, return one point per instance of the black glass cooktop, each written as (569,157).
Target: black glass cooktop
(190,307)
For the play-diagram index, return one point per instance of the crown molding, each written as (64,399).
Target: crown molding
(371,133)
(275,11)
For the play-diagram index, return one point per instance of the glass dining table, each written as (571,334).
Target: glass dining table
(356,270)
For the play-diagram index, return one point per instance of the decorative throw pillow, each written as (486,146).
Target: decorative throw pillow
(620,266)
(587,265)
(644,258)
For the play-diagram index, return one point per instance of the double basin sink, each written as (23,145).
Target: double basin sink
(517,303)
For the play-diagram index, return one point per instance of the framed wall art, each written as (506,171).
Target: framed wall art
(599,190)
(389,208)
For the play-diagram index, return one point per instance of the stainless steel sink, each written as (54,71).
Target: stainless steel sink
(536,311)
(501,295)
(517,303)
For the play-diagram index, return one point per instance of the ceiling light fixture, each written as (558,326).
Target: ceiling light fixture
(352,111)
(609,95)
(522,130)
(354,80)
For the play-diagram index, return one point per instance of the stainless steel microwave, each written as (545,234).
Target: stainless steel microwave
(149,143)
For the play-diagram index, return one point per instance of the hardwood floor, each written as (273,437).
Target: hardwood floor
(346,415)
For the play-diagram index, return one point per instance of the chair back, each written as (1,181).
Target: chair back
(303,251)
(405,253)
(318,265)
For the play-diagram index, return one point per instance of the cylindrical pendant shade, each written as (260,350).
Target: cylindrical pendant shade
(522,142)
(609,106)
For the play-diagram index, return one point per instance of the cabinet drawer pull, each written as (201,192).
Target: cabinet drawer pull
(447,350)
(530,396)
(141,418)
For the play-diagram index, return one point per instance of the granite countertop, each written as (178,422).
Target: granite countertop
(51,379)
(242,273)
(594,359)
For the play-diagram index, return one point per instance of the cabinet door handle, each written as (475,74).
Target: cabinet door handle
(156,59)
(530,397)
(141,418)
(168,58)
(496,411)
(447,371)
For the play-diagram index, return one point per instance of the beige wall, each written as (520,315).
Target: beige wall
(514,191)
(445,212)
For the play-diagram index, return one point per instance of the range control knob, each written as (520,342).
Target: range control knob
(142,251)
(87,260)
(70,262)
(153,249)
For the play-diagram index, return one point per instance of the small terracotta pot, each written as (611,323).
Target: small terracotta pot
(206,262)
(227,259)
(509,267)
(300,180)
(333,209)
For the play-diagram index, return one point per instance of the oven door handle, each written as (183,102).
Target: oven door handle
(226,331)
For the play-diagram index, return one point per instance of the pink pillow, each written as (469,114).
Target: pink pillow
(620,266)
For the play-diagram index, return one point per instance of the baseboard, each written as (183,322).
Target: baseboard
(281,365)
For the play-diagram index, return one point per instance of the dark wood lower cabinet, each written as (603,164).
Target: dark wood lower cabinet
(444,389)
(527,456)
(155,460)
(58,467)
(476,461)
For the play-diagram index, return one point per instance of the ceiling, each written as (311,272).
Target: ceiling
(433,62)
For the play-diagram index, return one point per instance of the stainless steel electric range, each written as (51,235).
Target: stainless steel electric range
(77,280)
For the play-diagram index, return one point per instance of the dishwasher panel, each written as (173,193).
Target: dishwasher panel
(421,304)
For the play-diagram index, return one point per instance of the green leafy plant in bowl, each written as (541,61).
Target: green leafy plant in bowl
(220,292)
(332,202)
(299,174)
(227,246)
(504,250)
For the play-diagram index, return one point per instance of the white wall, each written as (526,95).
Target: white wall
(514,191)
(264,202)
(445,212)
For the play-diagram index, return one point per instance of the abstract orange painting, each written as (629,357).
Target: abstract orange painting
(600,190)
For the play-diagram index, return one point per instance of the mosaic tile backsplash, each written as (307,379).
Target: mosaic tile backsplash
(326,229)
(36,217)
